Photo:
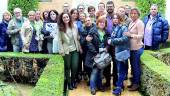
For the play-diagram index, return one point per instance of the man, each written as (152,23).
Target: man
(14,29)
(66,7)
(107,71)
(91,10)
(156,29)
(81,8)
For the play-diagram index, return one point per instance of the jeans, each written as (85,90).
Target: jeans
(70,65)
(16,48)
(95,78)
(135,64)
(122,72)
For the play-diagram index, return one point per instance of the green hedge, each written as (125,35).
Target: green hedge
(52,79)
(144,6)
(155,79)
(25,5)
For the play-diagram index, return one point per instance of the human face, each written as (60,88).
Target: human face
(115,20)
(18,14)
(74,15)
(6,17)
(92,12)
(134,15)
(82,17)
(153,10)
(38,15)
(121,12)
(88,22)
(81,9)
(53,16)
(46,15)
(110,8)
(66,18)
(101,7)
(101,24)
(31,16)
(66,7)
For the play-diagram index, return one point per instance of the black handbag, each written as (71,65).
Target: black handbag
(102,59)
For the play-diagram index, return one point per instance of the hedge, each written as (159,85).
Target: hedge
(51,81)
(25,5)
(155,79)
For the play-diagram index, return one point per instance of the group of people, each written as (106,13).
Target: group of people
(79,36)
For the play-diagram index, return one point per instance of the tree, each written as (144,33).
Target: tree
(25,5)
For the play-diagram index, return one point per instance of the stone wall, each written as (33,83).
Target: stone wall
(57,4)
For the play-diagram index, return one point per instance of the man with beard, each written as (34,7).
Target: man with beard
(14,29)
(107,71)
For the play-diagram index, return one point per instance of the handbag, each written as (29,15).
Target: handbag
(102,59)
(123,55)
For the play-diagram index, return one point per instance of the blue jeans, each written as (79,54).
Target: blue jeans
(122,68)
(16,48)
(135,64)
(95,78)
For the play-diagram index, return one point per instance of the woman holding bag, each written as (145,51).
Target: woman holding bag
(121,43)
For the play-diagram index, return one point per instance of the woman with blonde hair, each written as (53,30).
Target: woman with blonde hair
(5,42)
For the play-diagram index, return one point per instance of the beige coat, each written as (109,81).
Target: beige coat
(64,41)
(136,30)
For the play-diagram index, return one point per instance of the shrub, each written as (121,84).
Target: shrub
(25,5)
(144,6)
(51,80)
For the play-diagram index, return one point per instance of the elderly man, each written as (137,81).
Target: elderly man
(156,29)
(14,29)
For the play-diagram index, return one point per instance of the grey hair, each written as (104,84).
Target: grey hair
(155,5)
(17,10)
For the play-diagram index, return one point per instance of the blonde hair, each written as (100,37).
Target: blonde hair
(7,12)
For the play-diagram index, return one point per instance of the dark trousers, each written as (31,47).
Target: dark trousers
(107,70)
(135,65)
(70,65)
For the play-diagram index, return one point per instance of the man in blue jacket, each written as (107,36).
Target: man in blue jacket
(156,29)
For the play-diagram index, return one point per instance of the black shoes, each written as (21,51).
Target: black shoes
(93,91)
(133,87)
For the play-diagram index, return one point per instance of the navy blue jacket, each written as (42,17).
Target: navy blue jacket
(3,36)
(160,30)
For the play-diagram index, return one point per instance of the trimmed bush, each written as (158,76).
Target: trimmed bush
(155,79)
(25,5)
(51,80)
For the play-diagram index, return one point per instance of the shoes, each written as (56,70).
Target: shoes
(74,84)
(70,87)
(107,85)
(133,87)
(93,91)
(117,91)
(102,89)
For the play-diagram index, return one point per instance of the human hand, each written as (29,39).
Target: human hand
(109,41)
(127,34)
(89,38)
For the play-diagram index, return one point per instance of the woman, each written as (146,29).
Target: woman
(50,28)
(69,48)
(5,42)
(121,43)
(76,22)
(38,28)
(101,37)
(136,34)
